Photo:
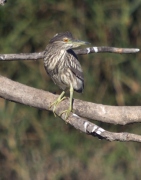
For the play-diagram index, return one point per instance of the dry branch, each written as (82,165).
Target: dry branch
(26,95)
(110,114)
(40,55)
(23,94)
(104,49)
(2,2)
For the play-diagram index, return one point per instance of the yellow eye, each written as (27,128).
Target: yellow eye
(65,40)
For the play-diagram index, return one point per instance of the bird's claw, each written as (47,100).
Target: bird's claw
(67,113)
(55,103)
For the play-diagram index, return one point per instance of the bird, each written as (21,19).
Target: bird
(62,65)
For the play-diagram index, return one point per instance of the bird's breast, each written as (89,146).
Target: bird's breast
(64,69)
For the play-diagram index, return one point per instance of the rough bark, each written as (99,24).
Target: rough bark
(19,93)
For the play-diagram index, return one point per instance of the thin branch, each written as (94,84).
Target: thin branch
(2,2)
(40,55)
(22,56)
(104,49)
(23,94)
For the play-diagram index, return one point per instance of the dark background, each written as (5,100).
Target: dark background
(33,143)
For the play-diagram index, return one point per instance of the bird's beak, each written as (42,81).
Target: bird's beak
(77,43)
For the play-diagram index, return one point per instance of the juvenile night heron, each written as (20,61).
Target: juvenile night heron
(62,65)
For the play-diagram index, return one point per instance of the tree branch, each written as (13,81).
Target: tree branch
(22,56)
(121,115)
(104,49)
(40,55)
(2,2)
(23,94)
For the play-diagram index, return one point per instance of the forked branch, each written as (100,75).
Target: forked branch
(19,93)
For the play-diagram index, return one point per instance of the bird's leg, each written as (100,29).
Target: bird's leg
(57,101)
(67,112)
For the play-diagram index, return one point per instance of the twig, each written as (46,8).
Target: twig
(2,2)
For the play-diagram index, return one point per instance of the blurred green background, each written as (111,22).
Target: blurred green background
(33,143)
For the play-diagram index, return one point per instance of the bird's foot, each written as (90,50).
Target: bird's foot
(67,113)
(55,103)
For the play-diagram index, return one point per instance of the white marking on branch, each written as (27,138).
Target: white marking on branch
(88,50)
(100,130)
(137,50)
(55,34)
(103,109)
(95,49)
(94,128)
(85,126)
(2,58)
(75,115)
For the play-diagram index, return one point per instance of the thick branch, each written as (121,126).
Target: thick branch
(110,114)
(23,94)
(40,55)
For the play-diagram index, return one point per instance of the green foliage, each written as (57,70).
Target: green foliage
(36,145)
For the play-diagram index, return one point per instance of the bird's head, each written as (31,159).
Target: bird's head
(66,41)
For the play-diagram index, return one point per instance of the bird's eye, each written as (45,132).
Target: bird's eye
(65,40)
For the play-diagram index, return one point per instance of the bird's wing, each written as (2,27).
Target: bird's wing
(74,65)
